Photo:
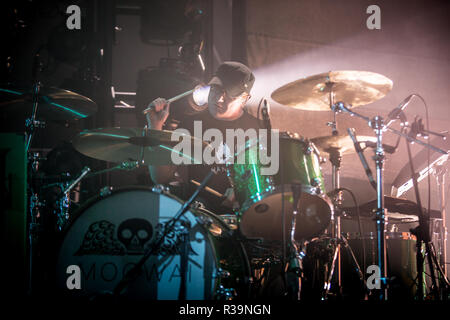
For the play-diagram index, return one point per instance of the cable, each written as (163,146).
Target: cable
(427,121)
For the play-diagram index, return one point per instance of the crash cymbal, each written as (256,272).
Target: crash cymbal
(352,87)
(53,104)
(342,144)
(128,144)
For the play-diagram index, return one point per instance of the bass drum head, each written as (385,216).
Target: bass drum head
(110,235)
(263,219)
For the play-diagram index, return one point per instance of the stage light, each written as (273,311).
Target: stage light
(200,95)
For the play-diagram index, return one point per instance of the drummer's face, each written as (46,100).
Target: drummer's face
(223,107)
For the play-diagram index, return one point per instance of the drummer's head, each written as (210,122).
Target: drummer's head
(230,90)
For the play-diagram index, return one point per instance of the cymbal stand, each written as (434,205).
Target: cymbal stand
(295,254)
(335,159)
(31,124)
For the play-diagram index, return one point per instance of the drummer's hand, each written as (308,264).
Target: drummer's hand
(229,198)
(158,113)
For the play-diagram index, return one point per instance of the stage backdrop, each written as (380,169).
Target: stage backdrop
(290,39)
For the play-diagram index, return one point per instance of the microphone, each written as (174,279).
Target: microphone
(362,158)
(265,114)
(397,111)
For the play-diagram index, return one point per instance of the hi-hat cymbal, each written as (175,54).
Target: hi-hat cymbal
(341,144)
(53,104)
(129,144)
(352,87)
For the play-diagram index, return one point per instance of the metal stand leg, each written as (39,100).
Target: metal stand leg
(335,159)
(377,125)
(295,261)
(440,180)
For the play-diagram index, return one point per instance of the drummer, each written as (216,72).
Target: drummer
(229,93)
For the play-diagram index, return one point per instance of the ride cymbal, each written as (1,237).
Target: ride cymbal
(352,87)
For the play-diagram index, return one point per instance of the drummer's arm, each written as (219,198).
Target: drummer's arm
(162,174)
(157,116)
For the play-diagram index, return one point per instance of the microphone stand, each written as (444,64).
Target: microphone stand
(377,124)
(440,173)
(422,233)
(32,160)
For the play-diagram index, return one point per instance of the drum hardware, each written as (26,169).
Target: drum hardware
(422,232)
(294,258)
(77,180)
(50,104)
(377,124)
(342,241)
(125,165)
(105,191)
(335,159)
(135,271)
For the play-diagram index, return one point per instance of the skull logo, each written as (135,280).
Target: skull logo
(134,234)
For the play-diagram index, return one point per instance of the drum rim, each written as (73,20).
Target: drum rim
(279,189)
(96,198)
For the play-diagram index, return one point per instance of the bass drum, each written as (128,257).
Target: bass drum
(199,260)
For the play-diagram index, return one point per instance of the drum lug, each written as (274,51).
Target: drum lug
(315,182)
(106,191)
(204,221)
(309,148)
(222,274)
(225,293)
(160,189)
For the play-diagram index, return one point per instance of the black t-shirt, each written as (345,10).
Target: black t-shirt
(220,181)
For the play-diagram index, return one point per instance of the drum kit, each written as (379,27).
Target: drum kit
(285,239)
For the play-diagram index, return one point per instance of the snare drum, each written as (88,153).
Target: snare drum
(263,198)
(199,260)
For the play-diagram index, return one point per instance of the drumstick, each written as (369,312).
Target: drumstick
(173,99)
(210,190)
